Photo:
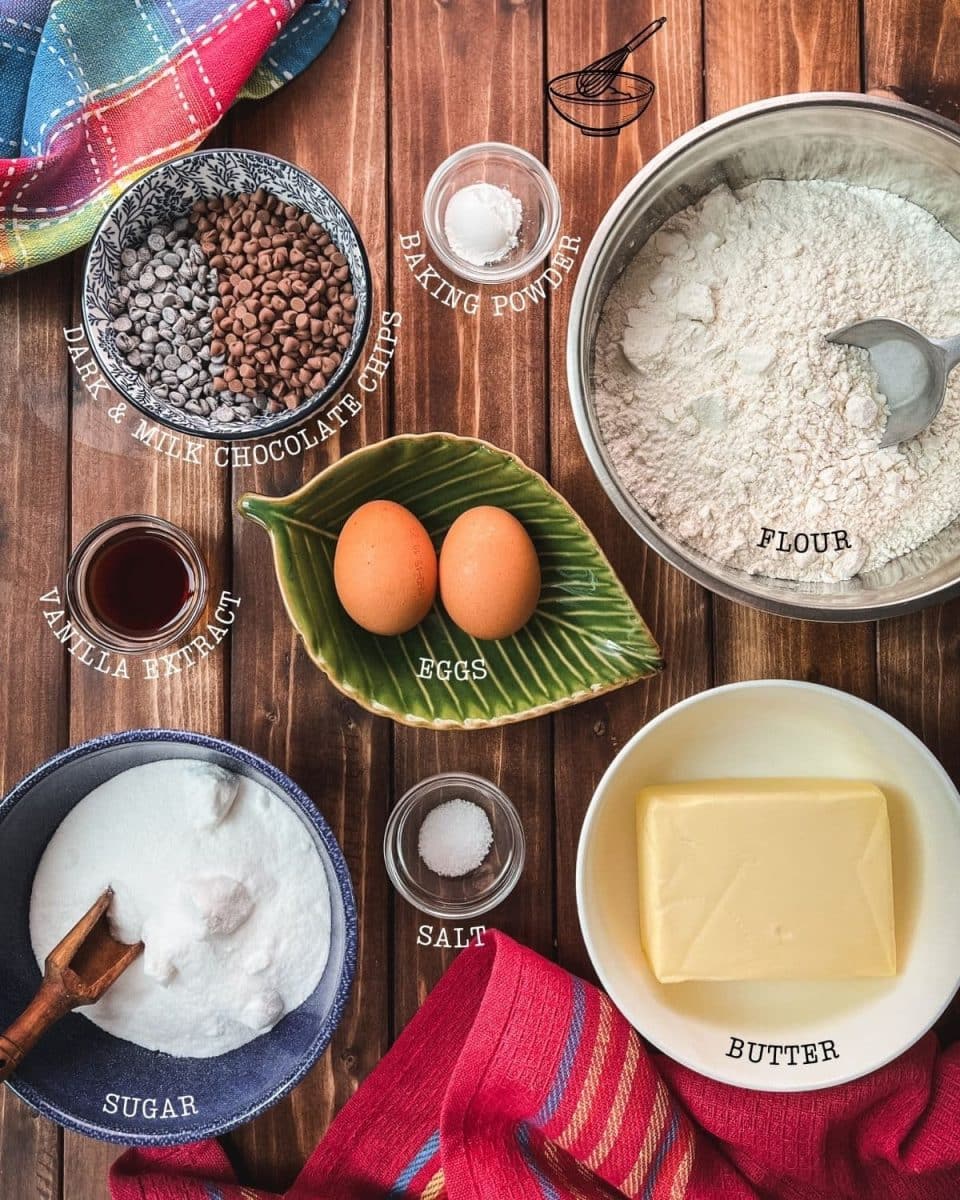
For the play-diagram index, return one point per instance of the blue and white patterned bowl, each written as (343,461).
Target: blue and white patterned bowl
(169,191)
(99,1085)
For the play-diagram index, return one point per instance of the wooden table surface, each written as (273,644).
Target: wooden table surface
(404,83)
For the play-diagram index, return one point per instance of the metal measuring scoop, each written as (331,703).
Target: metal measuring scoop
(911,369)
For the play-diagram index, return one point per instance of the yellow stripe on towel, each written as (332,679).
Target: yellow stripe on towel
(641,1168)
(594,1075)
(434,1188)
(614,1123)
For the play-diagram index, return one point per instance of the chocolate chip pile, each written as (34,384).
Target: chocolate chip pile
(162,317)
(245,307)
(286,300)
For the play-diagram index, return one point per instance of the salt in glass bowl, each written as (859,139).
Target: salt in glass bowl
(525,177)
(468,895)
(98,629)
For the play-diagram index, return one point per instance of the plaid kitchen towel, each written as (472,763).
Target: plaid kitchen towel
(95,92)
(517,1081)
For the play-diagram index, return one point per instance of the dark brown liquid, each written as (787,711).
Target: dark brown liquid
(139,583)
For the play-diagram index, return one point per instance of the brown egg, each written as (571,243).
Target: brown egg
(385,568)
(489,573)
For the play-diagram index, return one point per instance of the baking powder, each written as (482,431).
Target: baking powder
(482,223)
(726,412)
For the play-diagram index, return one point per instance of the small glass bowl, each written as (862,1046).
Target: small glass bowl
(468,895)
(106,636)
(504,166)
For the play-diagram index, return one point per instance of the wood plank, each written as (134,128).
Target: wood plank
(33,544)
(590,172)
(779,47)
(478,375)
(113,474)
(914,47)
(786,46)
(282,707)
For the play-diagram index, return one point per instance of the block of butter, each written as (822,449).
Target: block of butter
(766,879)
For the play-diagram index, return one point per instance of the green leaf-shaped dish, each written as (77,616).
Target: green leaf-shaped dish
(585,638)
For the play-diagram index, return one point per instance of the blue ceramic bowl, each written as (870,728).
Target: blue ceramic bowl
(103,1087)
(169,191)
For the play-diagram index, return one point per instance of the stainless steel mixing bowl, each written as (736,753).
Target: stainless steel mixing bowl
(822,135)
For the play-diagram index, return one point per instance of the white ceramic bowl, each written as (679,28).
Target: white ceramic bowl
(778,728)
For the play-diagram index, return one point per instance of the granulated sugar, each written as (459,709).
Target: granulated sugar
(726,412)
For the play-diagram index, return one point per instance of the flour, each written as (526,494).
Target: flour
(725,411)
(219,879)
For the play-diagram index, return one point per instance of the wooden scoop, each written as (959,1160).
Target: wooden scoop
(77,972)
(594,80)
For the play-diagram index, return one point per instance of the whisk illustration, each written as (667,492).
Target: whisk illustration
(601,98)
(601,75)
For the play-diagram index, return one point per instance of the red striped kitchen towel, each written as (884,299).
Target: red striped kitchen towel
(517,1081)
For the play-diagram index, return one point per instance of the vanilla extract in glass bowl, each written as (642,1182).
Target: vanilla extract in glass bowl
(136,584)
